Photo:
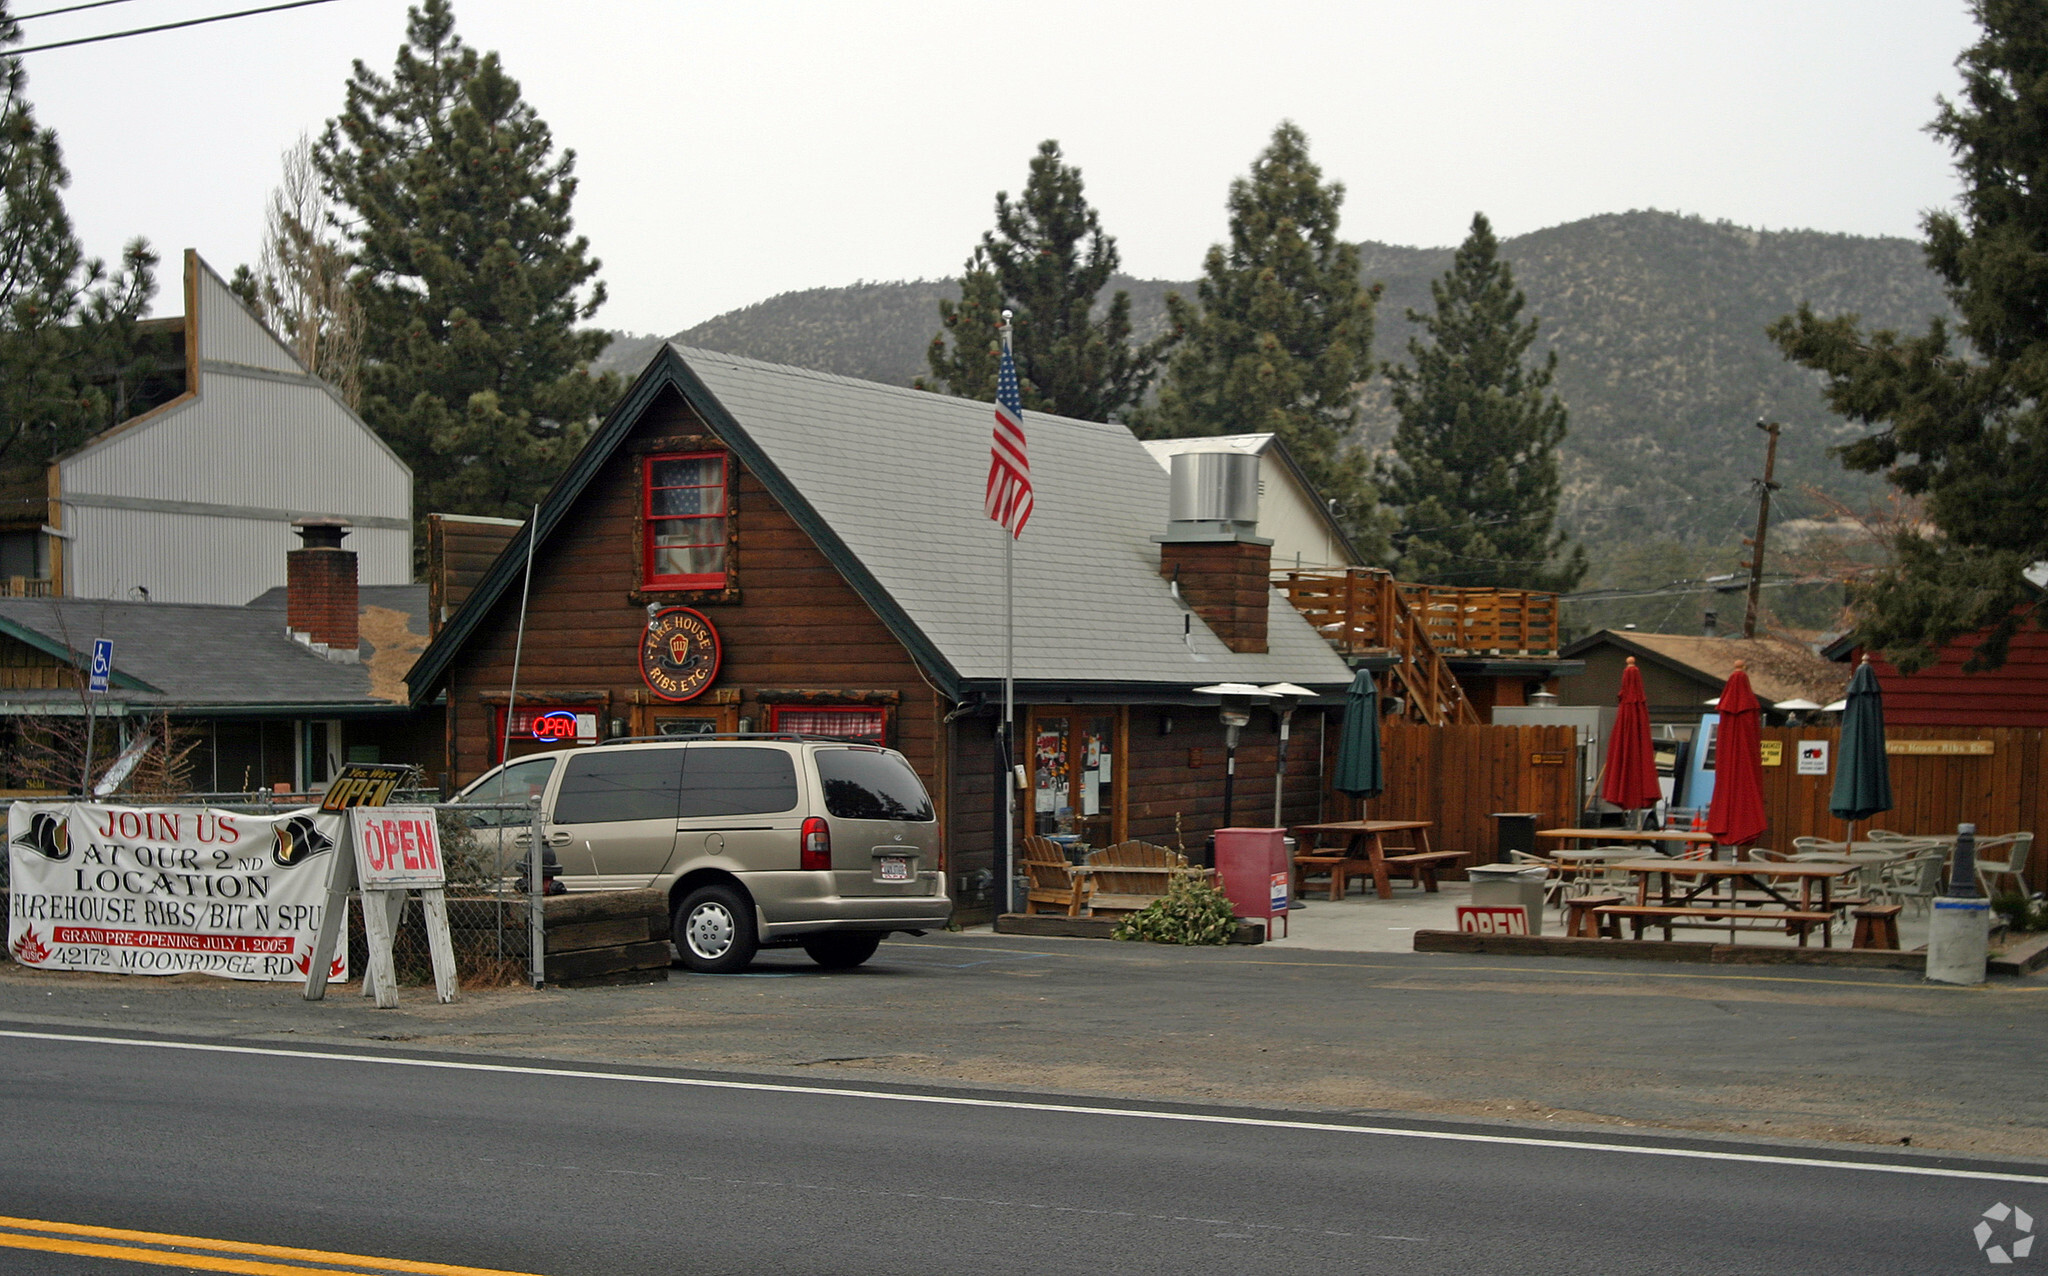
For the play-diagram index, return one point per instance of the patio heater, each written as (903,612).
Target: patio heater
(1239,698)
(1285,696)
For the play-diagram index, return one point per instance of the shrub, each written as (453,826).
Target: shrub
(2020,912)
(1191,912)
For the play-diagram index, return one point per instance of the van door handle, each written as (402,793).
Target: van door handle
(558,839)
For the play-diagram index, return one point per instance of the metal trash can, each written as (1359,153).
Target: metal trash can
(1510,886)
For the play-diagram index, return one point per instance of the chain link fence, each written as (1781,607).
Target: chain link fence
(484,847)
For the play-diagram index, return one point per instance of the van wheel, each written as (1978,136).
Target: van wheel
(842,950)
(714,930)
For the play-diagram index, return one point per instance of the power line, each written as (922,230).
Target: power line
(51,13)
(165,26)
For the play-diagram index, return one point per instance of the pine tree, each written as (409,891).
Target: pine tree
(1280,334)
(1475,453)
(1048,261)
(470,283)
(67,326)
(1964,425)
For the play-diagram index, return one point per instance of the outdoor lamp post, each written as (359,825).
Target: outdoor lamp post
(1285,696)
(1238,701)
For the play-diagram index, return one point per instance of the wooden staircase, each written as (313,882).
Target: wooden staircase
(1365,612)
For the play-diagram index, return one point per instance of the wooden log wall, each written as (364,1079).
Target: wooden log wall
(794,622)
(2000,792)
(1457,776)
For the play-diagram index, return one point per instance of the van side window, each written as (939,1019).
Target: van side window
(736,780)
(602,786)
(510,788)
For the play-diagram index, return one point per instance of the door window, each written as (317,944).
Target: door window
(517,784)
(736,780)
(1076,784)
(609,785)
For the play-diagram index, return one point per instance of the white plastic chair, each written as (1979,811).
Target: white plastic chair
(1916,880)
(2014,865)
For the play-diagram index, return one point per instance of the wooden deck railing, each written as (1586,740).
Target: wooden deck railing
(24,587)
(1365,611)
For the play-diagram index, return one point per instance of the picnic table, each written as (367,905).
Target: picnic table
(1770,898)
(1698,837)
(1363,851)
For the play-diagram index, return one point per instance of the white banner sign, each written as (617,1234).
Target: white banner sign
(398,848)
(168,890)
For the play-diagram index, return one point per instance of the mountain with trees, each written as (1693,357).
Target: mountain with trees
(1658,321)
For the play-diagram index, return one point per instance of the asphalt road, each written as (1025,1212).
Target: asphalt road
(1868,1057)
(577,1170)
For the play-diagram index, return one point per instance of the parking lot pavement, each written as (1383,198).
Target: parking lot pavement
(1869,1056)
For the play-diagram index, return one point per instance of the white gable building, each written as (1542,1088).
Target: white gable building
(193,500)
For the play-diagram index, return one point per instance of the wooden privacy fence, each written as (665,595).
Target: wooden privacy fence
(1457,776)
(1989,776)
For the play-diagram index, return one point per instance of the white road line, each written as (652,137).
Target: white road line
(1065,1109)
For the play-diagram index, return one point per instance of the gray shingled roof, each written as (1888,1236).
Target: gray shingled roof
(199,655)
(898,475)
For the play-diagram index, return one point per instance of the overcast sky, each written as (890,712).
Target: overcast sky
(732,151)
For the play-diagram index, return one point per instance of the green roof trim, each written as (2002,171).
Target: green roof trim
(76,659)
(667,371)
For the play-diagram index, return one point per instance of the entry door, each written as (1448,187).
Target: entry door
(1077,773)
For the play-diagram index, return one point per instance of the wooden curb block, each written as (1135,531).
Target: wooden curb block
(2024,955)
(1096,927)
(602,937)
(1451,941)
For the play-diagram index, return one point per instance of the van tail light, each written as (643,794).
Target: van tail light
(817,843)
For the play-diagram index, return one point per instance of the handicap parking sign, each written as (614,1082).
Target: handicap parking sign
(102,663)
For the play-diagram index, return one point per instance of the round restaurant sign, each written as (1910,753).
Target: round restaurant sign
(679,654)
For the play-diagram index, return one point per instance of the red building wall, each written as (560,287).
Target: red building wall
(1942,695)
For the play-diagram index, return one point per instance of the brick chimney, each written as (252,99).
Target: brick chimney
(320,589)
(1211,549)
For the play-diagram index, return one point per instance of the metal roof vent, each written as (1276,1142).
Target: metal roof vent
(1212,496)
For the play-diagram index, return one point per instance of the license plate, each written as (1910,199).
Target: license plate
(893,868)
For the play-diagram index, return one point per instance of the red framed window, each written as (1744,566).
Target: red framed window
(867,724)
(684,507)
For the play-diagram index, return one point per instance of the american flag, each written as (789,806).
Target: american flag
(1008,499)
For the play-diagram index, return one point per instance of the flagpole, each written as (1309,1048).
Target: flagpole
(1009,693)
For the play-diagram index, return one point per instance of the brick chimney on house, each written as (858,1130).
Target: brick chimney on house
(1211,549)
(320,589)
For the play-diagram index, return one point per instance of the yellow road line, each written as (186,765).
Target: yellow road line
(209,1263)
(1659,974)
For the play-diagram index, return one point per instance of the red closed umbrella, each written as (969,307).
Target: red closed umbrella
(1736,817)
(1631,778)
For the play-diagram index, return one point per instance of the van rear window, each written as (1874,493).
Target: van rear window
(871,784)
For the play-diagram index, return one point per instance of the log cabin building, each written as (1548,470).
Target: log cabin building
(748,547)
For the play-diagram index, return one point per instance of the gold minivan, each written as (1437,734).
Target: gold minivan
(759,841)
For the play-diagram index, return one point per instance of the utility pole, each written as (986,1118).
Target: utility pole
(1763,527)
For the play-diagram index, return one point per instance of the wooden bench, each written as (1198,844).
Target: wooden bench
(1126,877)
(1337,866)
(1795,920)
(1052,879)
(1421,867)
(1877,926)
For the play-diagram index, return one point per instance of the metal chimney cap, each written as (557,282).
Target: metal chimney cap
(321,531)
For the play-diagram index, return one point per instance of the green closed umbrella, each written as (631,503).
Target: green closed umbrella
(1863,774)
(1359,771)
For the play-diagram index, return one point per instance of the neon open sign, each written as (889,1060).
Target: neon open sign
(556,724)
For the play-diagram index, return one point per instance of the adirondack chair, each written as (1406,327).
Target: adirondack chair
(1053,881)
(1126,877)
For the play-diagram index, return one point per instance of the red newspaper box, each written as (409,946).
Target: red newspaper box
(1252,869)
